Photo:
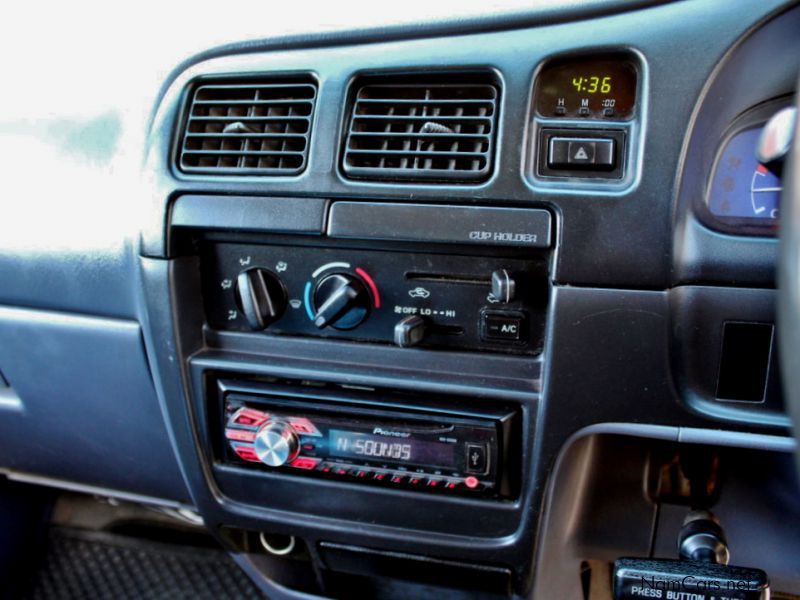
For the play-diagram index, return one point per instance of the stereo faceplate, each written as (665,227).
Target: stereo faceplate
(452,295)
(294,431)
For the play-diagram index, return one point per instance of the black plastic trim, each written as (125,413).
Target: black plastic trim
(250,213)
(519,227)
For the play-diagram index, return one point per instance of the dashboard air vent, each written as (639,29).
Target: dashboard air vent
(436,129)
(248,128)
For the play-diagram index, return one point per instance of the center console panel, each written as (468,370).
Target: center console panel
(360,369)
(364,362)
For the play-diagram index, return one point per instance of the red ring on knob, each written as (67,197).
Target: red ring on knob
(373,288)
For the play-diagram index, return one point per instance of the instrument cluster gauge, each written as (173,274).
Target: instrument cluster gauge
(743,195)
(765,193)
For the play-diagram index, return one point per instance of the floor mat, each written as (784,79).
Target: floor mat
(82,564)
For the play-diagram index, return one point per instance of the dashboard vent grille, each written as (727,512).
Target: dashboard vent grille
(423,131)
(248,128)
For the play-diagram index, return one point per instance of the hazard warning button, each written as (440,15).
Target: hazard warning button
(581,153)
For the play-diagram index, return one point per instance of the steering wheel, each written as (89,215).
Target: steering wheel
(789,281)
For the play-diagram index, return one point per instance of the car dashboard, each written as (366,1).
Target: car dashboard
(437,302)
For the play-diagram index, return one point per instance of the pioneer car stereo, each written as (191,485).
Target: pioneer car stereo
(290,429)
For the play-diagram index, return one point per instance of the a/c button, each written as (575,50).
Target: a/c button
(502,326)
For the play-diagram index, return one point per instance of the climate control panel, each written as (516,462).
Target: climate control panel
(408,299)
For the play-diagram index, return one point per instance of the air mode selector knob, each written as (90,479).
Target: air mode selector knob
(276,443)
(341,301)
(261,297)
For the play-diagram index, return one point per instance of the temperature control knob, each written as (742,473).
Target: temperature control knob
(342,301)
(261,297)
(276,443)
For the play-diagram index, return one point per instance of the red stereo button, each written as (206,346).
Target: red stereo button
(471,482)
(397,479)
(305,462)
(246,452)
(415,481)
(451,485)
(239,435)
(380,476)
(249,417)
(304,426)
(325,468)
(434,483)
(361,474)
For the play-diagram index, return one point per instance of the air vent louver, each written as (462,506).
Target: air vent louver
(418,131)
(248,128)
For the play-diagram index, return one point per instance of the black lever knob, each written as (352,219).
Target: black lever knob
(409,331)
(702,538)
(261,297)
(341,301)
(504,288)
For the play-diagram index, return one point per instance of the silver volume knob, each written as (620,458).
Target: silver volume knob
(276,443)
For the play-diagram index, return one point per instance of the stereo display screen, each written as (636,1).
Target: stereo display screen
(354,444)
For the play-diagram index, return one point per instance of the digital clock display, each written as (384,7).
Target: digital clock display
(354,444)
(593,84)
(603,88)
